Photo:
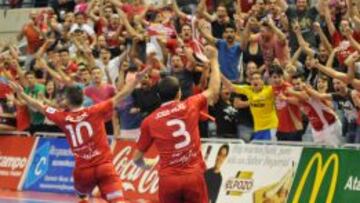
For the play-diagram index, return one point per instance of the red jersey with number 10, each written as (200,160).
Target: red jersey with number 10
(174,128)
(85,132)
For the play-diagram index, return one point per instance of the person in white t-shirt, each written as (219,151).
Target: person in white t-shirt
(80,23)
(325,125)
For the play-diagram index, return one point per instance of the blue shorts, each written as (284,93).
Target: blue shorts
(264,135)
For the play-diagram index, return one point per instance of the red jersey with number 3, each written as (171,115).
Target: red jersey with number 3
(85,132)
(174,129)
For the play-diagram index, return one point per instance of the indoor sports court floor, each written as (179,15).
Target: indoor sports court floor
(36,197)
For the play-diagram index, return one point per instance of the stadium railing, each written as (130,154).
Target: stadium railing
(19,133)
(305,144)
(213,140)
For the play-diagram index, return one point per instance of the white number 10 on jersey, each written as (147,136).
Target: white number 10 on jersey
(76,136)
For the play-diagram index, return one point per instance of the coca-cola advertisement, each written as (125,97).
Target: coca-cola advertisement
(138,184)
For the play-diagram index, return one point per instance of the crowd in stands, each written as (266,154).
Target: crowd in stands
(289,67)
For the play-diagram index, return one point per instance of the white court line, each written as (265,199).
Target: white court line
(21,199)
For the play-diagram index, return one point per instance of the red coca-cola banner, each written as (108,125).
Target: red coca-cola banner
(138,184)
(14,158)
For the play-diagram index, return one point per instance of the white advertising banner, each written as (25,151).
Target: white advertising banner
(249,173)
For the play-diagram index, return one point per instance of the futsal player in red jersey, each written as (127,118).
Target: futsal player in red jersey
(85,131)
(174,130)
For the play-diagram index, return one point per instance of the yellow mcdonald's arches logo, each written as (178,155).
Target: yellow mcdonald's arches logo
(321,170)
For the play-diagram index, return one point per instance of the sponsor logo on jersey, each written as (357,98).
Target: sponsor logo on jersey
(76,119)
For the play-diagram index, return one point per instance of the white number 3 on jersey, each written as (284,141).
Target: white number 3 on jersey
(181,132)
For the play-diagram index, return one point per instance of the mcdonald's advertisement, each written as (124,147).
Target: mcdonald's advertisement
(249,173)
(327,175)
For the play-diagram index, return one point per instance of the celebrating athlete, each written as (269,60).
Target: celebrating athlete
(85,131)
(174,130)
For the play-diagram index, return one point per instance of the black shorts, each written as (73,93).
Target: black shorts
(293,136)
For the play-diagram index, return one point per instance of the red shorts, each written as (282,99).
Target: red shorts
(189,188)
(104,176)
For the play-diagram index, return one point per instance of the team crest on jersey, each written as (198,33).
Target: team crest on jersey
(50,110)
(241,183)
(76,119)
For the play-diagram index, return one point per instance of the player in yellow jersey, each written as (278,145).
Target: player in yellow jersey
(262,106)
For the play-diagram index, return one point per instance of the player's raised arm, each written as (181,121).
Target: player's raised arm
(143,144)
(330,72)
(33,103)
(130,86)
(213,89)
(205,33)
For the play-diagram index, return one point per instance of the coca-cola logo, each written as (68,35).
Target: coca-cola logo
(133,177)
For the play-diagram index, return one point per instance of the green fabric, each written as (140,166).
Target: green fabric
(36,117)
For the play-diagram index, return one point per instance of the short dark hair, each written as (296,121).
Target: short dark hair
(79,14)
(297,76)
(168,88)
(323,77)
(230,26)
(276,70)
(186,10)
(224,146)
(63,50)
(83,69)
(74,94)
(105,49)
(30,72)
(256,72)
(78,30)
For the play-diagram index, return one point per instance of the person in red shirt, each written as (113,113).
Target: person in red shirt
(70,65)
(246,5)
(343,38)
(100,15)
(185,39)
(32,33)
(290,121)
(174,130)
(85,131)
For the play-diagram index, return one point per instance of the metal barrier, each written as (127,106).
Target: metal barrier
(223,140)
(48,134)
(352,146)
(305,144)
(284,143)
(60,135)
(213,140)
(20,133)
